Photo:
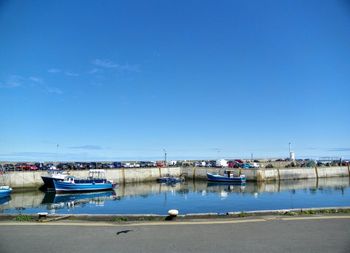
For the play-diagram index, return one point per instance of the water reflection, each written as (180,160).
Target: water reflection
(55,201)
(5,200)
(191,195)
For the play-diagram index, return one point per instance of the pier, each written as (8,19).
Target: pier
(32,179)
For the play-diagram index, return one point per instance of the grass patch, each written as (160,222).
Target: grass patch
(308,212)
(242,214)
(290,213)
(150,218)
(321,211)
(120,219)
(22,217)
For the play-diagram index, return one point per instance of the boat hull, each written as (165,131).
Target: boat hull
(219,178)
(61,186)
(48,181)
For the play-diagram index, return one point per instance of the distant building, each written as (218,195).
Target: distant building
(292,156)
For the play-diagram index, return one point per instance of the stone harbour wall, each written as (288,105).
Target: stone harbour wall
(32,179)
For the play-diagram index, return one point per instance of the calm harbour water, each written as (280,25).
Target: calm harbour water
(188,197)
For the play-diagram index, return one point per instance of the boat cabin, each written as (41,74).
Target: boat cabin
(97,174)
(231,173)
(70,179)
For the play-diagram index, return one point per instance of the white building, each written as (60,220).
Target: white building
(292,156)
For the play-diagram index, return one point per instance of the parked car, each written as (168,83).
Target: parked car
(233,164)
(255,165)
(25,166)
(247,166)
(172,163)
(9,167)
(126,165)
(117,164)
(160,164)
(211,163)
(29,167)
(345,163)
(197,164)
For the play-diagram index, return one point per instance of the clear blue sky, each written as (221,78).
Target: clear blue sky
(111,80)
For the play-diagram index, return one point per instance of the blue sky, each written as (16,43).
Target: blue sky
(115,80)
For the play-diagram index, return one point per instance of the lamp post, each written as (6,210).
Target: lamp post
(164,157)
(289,147)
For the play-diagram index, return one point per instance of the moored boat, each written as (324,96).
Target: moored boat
(95,182)
(5,191)
(227,177)
(52,175)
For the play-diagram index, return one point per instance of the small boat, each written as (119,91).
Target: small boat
(5,191)
(227,177)
(53,174)
(95,182)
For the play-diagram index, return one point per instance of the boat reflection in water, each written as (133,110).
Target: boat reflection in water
(5,200)
(188,197)
(228,185)
(224,188)
(71,200)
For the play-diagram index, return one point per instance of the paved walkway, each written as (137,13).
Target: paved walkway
(287,234)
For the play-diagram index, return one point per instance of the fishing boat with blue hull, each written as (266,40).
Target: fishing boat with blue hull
(227,177)
(5,191)
(95,182)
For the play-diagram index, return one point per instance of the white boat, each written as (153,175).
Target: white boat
(52,175)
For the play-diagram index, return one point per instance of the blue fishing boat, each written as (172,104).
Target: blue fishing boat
(5,191)
(227,177)
(95,182)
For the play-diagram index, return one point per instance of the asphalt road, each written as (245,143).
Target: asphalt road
(248,235)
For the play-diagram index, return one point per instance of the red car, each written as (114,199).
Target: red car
(24,166)
(160,164)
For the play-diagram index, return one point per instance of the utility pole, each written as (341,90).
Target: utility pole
(164,156)
(289,147)
(57,152)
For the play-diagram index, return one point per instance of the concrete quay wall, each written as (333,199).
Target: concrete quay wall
(273,174)
(32,179)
